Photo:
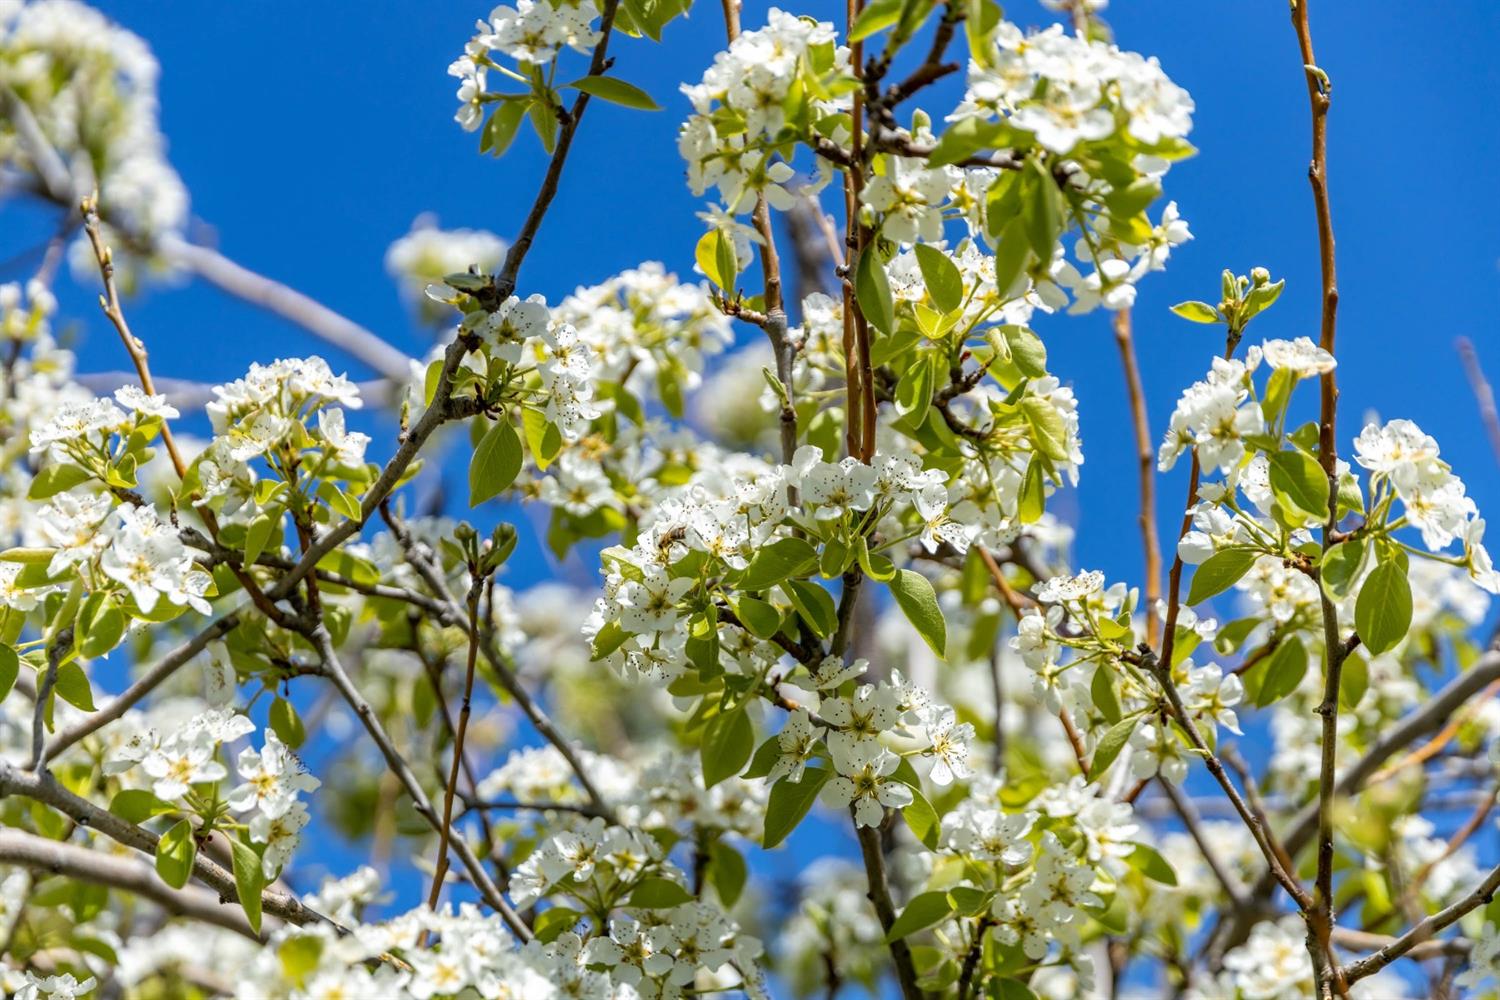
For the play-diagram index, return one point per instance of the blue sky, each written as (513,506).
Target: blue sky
(311,134)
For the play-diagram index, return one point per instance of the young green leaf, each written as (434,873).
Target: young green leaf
(496,462)
(1283,671)
(924,910)
(1219,572)
(659,893)
(249,880)
(1382,612)
(10,667)
(175,853)
(287,724)
(1196,312)
(1110,745)
(728,742)
(789,802)
(922,819)
(1298,477)
(872,290)
(918,601)
(940,275)
(1149,862)
(608,88)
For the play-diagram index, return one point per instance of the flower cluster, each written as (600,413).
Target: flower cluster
(179,764)
(853,730)
(1405,461)
(740,108)
(1067,90)
(532,32)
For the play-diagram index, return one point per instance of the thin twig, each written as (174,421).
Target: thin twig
(1146,469)
(334,670)
(450,791)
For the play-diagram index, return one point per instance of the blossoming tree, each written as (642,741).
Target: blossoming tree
(840,584)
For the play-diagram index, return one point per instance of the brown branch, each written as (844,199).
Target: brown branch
(504,283)
(1146,470)
(450,791)
(334,670)
(41,787)
(1424,931)
(123,873)
(1216,767)
(880,896)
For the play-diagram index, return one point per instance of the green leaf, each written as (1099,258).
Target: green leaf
(877,16)
(1110,745)
(55,479)
(542,436)
(1354,681)
(1048,432)
(940,275)
(555,921)
(814,604)
(496,462)
(914,390)
(136,805)
(1013,989)
(779,561)
(1196,312)
(1298,477)
(1102,689)
(659,893)
(876,566)
(925,824)
(544,121)
(1382,613)
(1284,670)
(1043,218)
(765,757)
(759,618)
(1033,499)
(73,686)
(1149,862)
(175,853)
(106,627)
(872,291)
(287,724)
(1340,567)
(918,601)
(728,741)
(1219,572)
(501,128)
(608,639)
(615,91)
(715,256)
(10,668)
(789,802)
(727,873)
(249,880)
(924,910)
(1027,352)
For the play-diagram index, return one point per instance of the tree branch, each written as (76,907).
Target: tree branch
(311,315)
(135,877)
(42,787)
